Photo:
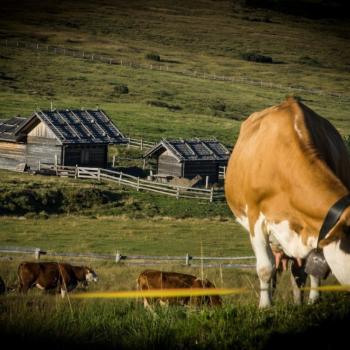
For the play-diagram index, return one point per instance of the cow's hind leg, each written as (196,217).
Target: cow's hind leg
(264,260)
(298,279)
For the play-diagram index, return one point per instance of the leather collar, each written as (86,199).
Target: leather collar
(333,216)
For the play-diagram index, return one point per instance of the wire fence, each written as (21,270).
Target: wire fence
(107,59)
(137,183)
(141,260)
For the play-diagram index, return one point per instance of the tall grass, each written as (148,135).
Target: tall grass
(47,321)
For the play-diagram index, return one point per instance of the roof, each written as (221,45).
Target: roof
(9,127)
(191,150)
(77,126)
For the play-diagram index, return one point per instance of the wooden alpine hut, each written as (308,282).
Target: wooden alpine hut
(62,137)
(12,151)
(189,158)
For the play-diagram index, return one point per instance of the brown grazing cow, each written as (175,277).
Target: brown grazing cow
(154,279)
(289,176)
(52,275)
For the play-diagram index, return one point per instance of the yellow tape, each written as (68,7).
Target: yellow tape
(160,293)
(195,292)
(330,288)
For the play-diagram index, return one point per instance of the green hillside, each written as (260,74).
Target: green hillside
(202,37)
(180,69)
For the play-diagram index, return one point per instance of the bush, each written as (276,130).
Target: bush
(120,88)
(162,104)
(255,57)
(309,61)
(153,56)
(55,200)
(306,8)
(218,106)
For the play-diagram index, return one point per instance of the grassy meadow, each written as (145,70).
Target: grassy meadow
(67,215)
(129,31)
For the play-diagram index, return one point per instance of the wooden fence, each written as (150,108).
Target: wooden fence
(222,172)
(142,260)
(137,183)
(140,143)
(103,58)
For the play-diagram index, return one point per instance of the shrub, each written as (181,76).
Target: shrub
(218,106)
(120,88)
(162,104)
(255,57)
(153,56)
(309,61)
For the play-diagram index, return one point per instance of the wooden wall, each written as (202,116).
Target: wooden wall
(85,155)
(169,165)
(202,168)
(11,155)
(41,130)
(42,149)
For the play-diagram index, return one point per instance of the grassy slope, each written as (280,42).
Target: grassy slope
(200,35)
(203,36)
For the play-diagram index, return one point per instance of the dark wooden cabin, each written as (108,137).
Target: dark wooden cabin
(189,158)
(63,137)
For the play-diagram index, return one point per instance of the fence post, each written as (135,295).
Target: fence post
(120,177)
(144,164)
(177,193)
(118,257)
(37,253)
(138,184)
(211,194)
(187,259)
(39,165)
(99,174)
(141,144)
(113,163)
(207,181)
(224,172)
(76,174)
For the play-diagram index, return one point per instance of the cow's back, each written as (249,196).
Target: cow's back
(286,151)
(44,275)
(154,279)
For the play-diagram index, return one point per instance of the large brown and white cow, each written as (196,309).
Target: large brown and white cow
(155,279)
(53,276)
(287,170)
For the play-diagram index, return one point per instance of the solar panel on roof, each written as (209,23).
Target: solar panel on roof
(81,126)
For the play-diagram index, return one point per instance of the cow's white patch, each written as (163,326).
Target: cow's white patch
(39,286)
(339,261)
(91,277)
(264,260)
(289,240)
(314,293)
(243,220)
